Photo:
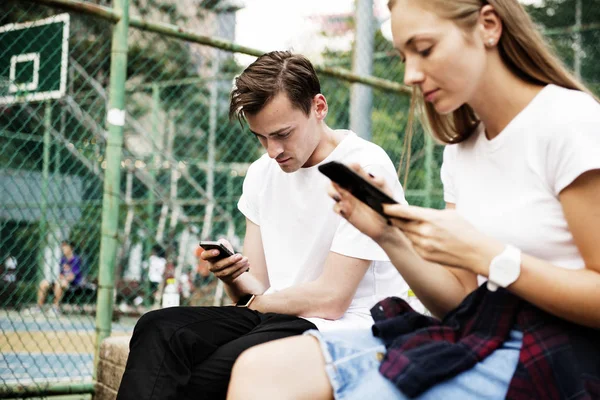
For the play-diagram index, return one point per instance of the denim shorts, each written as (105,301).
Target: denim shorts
(352,363)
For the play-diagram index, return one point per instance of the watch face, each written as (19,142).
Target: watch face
(505,271)
(505,268)
(244,300)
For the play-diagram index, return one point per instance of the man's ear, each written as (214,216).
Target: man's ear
(320,107)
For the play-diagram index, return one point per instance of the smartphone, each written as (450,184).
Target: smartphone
(223,251)
(357,185)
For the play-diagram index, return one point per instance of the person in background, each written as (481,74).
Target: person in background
(10,269)
(70,275)
(156,270)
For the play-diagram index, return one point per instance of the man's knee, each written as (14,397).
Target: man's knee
(157,324)
(147,333)
(44,285)
(150,321)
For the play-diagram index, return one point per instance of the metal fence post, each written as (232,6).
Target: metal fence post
(578,46)
(153,165)
(361,100)
(44,198)
(207,225)
(153,162)
(112,177)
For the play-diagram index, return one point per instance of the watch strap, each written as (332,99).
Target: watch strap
(247,302)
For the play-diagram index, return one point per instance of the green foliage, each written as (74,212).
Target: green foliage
(21,240)
(553,14)
(16,294)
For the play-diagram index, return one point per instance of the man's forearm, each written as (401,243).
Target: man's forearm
(244,284)
(307,300)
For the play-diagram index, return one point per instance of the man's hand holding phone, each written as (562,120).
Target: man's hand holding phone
(222,261)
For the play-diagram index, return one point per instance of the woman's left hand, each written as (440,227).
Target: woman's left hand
(445,237)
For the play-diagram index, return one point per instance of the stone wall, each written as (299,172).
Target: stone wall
(113,357)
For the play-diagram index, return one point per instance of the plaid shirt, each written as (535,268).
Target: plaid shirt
(558,359)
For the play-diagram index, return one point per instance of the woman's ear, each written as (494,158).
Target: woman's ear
(490,26)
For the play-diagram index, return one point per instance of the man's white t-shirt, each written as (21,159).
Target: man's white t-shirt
(299,227)
(508,187)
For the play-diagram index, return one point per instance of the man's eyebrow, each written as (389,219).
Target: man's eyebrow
(277,132)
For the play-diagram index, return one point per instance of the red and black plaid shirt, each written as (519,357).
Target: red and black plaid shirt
(558,359)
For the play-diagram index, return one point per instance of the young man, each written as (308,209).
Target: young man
(303,265)
(70,275)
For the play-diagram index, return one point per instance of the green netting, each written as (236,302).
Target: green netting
(183,162)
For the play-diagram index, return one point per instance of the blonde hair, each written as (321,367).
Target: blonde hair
(521,47)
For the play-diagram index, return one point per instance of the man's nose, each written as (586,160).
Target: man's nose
(274,149)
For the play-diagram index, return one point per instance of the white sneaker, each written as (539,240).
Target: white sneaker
(35,310)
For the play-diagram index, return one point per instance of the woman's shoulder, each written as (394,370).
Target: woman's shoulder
(570,104)
(569,114)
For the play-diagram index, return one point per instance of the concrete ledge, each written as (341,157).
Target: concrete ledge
(110,374)
(113,357)
(115,349)
(104,393)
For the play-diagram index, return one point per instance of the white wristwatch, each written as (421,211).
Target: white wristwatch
(505,268)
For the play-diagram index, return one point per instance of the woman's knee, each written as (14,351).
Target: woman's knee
(253,360)
(270,354)
(293,366)
(251,374)
(259,364)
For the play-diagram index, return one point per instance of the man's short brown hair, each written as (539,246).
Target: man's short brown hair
(271,74)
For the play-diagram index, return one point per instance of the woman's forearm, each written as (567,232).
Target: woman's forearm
(437,287)
(573,295)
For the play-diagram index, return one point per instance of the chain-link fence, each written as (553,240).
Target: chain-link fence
(182,161)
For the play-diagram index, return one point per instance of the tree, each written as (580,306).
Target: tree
(560,14)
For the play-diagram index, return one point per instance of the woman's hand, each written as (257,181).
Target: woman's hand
(445,237)
(363,217)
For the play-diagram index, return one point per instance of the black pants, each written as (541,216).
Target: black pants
(188,352)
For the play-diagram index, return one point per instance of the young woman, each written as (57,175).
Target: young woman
(521,177)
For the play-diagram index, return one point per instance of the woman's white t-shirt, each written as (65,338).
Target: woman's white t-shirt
(509,187)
